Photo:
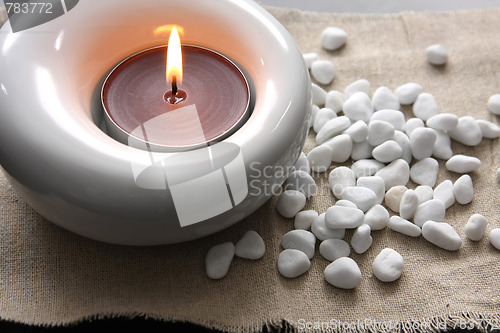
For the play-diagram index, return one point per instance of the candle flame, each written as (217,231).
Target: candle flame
(174,58)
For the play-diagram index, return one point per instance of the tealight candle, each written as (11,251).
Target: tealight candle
(175,98)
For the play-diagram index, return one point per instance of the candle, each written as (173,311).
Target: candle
(182,100)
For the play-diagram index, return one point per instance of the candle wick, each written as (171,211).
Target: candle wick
(174,86)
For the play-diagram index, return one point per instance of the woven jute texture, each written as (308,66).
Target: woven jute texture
(49,276)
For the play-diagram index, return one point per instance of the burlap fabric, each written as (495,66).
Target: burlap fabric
(49,276)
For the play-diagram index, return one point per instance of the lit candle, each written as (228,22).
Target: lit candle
(187,99)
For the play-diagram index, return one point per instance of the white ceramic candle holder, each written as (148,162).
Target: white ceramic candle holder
(55,150)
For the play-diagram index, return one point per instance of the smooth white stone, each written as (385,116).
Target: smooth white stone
(422,142)
(358,131)
(332,128)
(322,117)
(476,227)
(293,263)
(361,239)
(387,151)
(345,203)
(343,273)
(405,227)
(408,92)
(374,183)
(301,181)
(358,107)
(218,259)
(444,192)
(322,232)
(425,172)
(384,98)
(339,178)
(379,131)
(494,237)
(424,193)
(412,124)
(394,117)
(334,100)
(442,146)
(396,173)
(488,129)
(302,163)
(441,234)
(388,265)
(361,85)
(323,71)
(408,205)
(436,54)
(302,240)
(393,197)
(494,104)
(332,249)
(342,217)
(341,146)
(463,189)
(333,38)
(432,210)
(250,246)
(363,197)
(425,106)
(404,142)
(376,217)
(366,167)
(467,132)
(463,163)
(304,219)
(290,202)
(314,111)
(318,95)
(320,158)
(309,58)
(361,150)
(443,121)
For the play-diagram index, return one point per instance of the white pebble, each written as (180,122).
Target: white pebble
(403,226)
(332,249)
(412,124)
(358,107)
(341,217)
(323,71)
(250,246)
(343,273)
(425,106)
(424,193)
(408,92)
(345,203)
(293,263)
(463,189)
(363,197)
(494,104)
(441,234)
(304,219)
(334,100)
(333,38)
(432,210)
(322,117)
(290,202)
(488,129)
(379,131)
(322,232)
(443,121)
(309,58)
(467,132)
(394,117)
(463,163)
(218,259)
(404,142)
(476,227)
(341,147)
(318,95)
(301,181)
(366,167)
(361,85)
(320,158)
(314,111)
(444,192)
(302,240)
(384,98)
(396,173)
(302,163)
(388,265)
(393,197)
(387,151)
(442,146)
(495,238)
(361,150)
(339,178)
(374,183)
(361,239)
(376,217)
(422,141)
(408,205)
(357,131)
(332,128)
(425,172)
(436,54)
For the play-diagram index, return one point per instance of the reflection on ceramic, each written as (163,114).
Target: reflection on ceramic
(55,150)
